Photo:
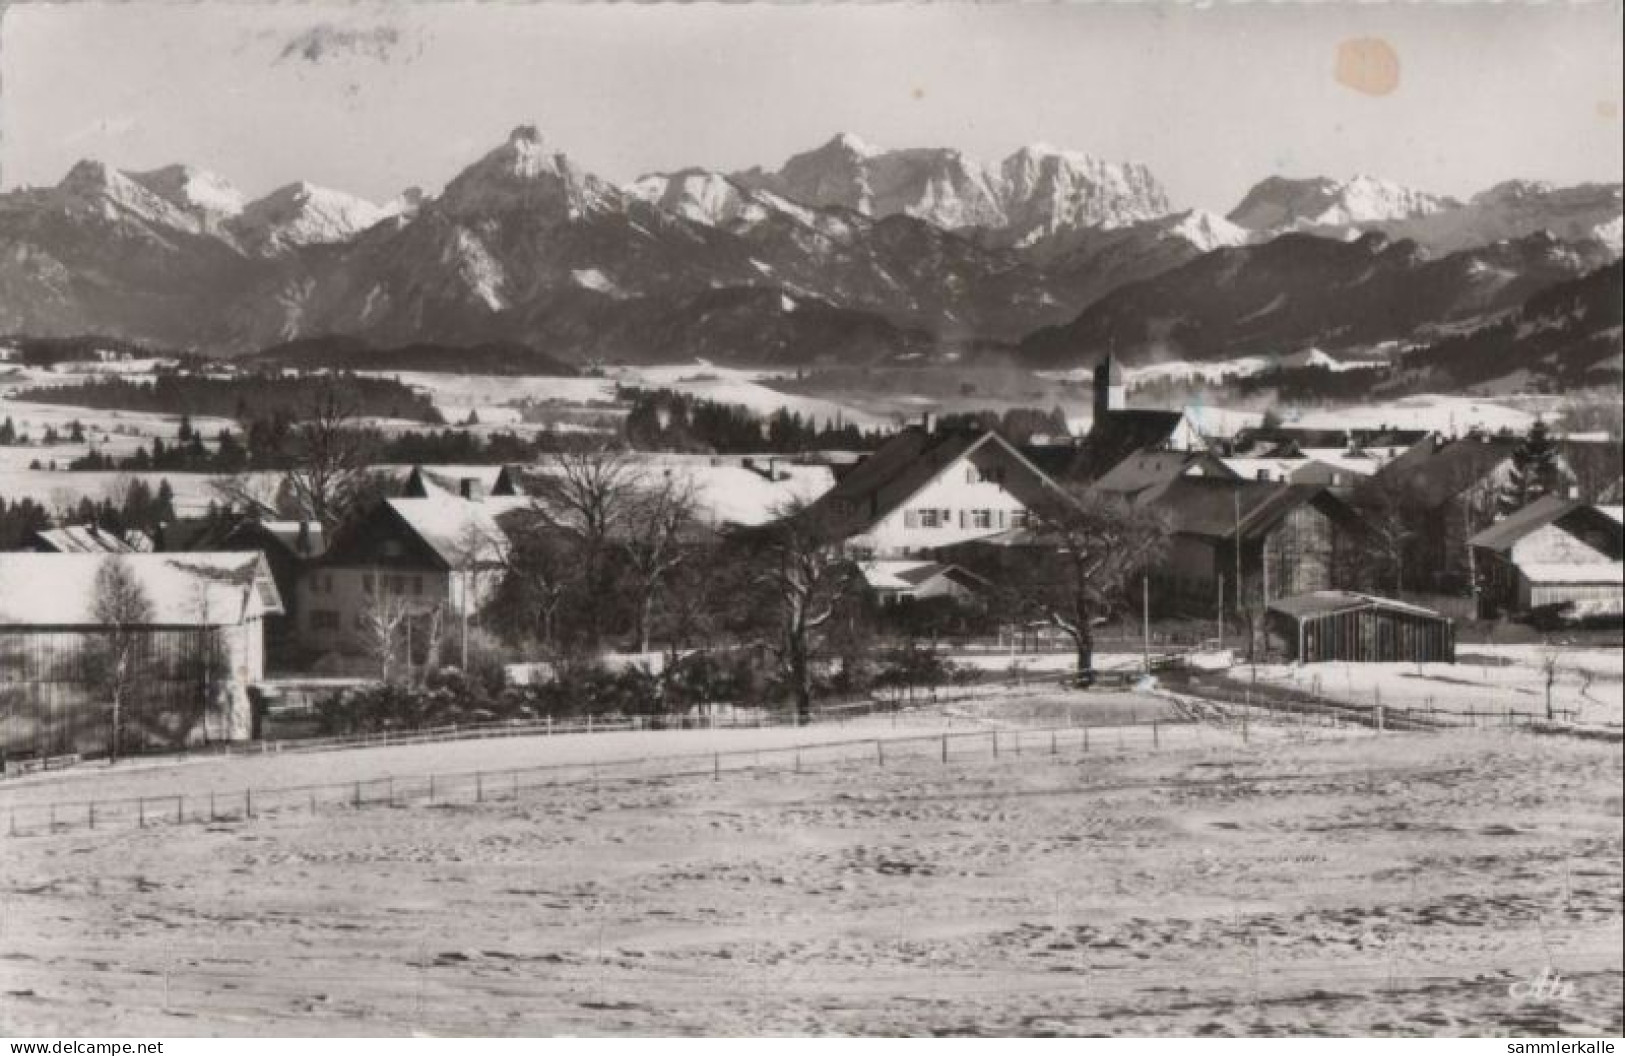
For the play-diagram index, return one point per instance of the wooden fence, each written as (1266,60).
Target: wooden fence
(481,786)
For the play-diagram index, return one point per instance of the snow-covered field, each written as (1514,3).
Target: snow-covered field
(1392,885)
(1449,415)
(494,397)
(1485,678)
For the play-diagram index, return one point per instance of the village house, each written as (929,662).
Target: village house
(901,581)
(1446,491)
(197,649)
(1553,552)
(1292,539)
(402,559)
(926,488)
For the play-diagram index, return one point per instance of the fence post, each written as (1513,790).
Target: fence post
(945,747)
(431,787)
(1244,727)
(248,802)
(716,766)
(13,830)
(211,805)
(92,813)
(180,810)
(53,817)
(479,787)
(880,753)
(1053,746)
(313,802)
(995,744)
(1086,737)
(140,813)
(355,796)
(1156,737)
(798,760)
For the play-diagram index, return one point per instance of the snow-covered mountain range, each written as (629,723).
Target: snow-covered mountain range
(844,252)
(1032,195)
(1514,209)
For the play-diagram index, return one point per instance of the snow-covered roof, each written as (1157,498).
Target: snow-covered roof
(82,539)
(1331,602)
(184,590)
(1601,572)
(461,532)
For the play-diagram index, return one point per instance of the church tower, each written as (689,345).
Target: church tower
(1111,389)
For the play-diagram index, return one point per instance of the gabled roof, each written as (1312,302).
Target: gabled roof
(184,590)
(1332,602)
(422,481)
(462,534)
(1434,479)
(1208,507)
(1149,469)
(1505,533)
(901,467)
(81,539)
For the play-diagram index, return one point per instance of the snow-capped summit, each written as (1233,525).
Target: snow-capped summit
(1036,192)
(92,187)
(1048,191)
(1205,231)
(854,144)
(525,173)
(695,194)
(192,190)
(302,214)
(1325,205)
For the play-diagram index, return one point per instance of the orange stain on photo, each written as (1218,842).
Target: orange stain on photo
(1367,64)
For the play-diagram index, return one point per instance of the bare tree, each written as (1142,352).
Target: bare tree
(655,542)
(121,607)
(251,493)
(541,571)
(1074,568)
(589,496)
(383,621)
(1389,518)
(328,456)
(796,579)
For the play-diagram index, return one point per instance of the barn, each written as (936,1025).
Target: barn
(1554,551)
(1330,625)
(190,648)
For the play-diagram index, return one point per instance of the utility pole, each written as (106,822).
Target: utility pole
(1145,611)
(1235,496)
(1221,610)
(465,621)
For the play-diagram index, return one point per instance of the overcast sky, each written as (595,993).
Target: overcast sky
(371,99)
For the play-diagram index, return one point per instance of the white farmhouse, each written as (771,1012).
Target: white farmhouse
(927,488)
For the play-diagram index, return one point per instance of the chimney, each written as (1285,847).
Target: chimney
(928,421)
(301,545)
(1263,474)
(472,489)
